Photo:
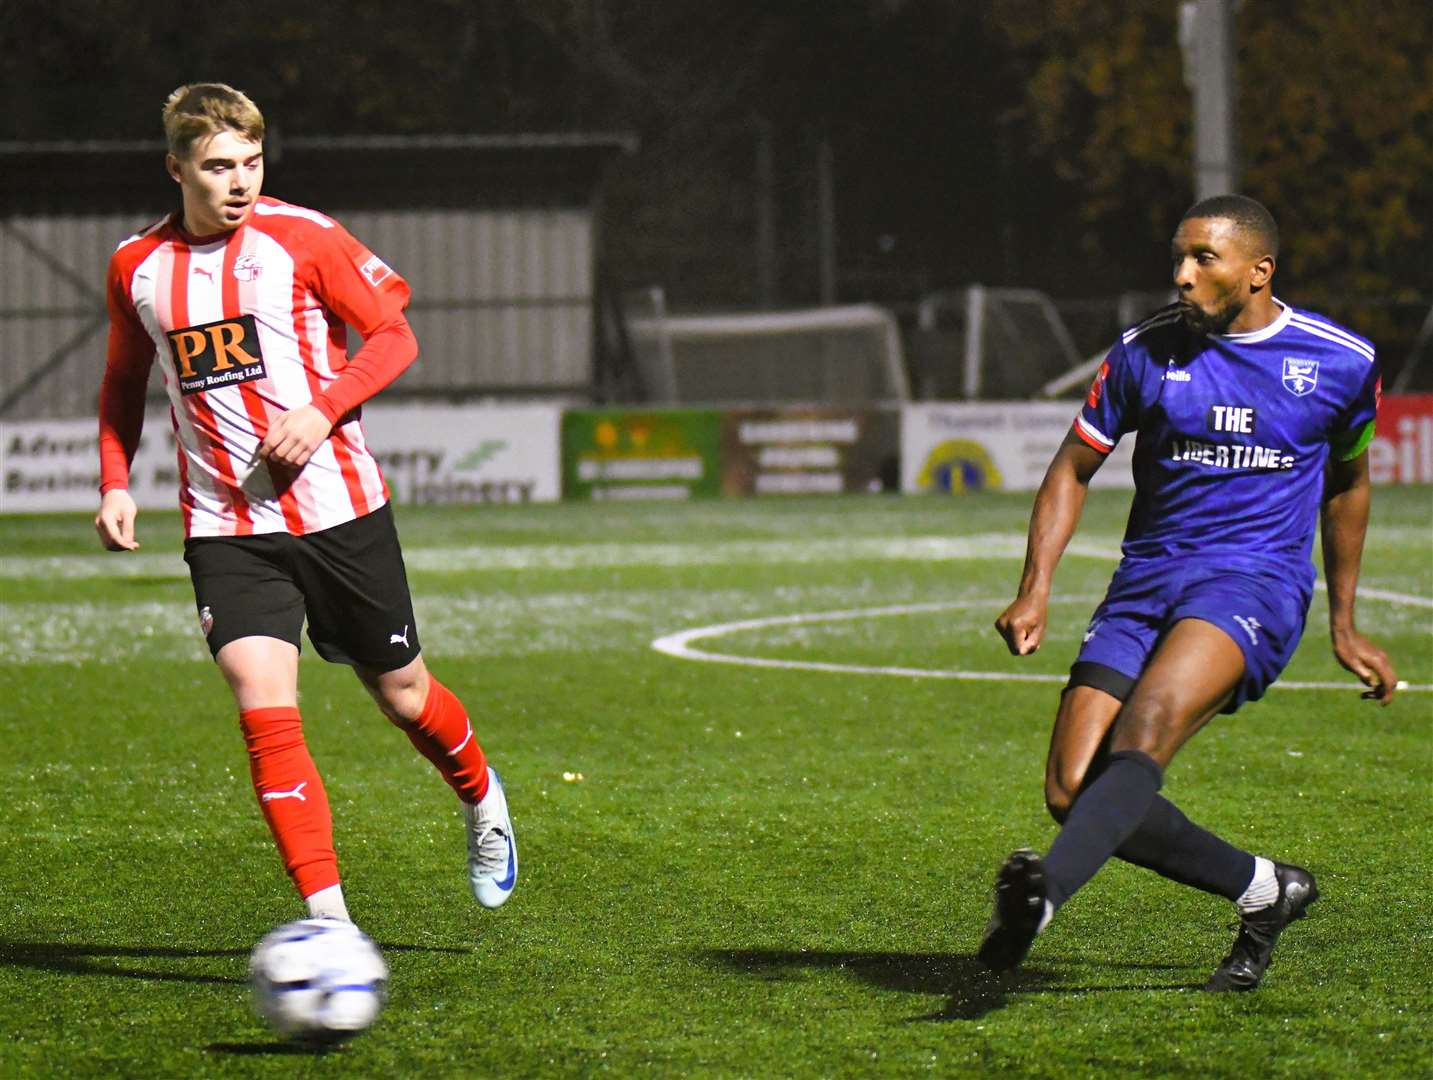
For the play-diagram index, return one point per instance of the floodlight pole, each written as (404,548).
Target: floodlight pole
(1206,35)
(765,215)
(826,219)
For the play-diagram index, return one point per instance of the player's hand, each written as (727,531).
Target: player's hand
(1370,663)
(1022,625)
(115,521)
(293,436)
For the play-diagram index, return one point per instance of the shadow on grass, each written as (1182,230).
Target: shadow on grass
(71,959)
(273,1049)
(276,1049)
(972,990)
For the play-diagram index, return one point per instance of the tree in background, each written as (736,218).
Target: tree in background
(1105,109)
(1335,133)
(1341,139)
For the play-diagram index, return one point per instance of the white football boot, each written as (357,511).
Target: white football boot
(492,850)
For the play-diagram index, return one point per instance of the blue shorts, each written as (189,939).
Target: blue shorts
(1261,608)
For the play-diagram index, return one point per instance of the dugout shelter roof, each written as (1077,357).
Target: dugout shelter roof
(331,173)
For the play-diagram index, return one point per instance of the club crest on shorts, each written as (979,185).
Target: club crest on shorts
(1300,376)
(206,620)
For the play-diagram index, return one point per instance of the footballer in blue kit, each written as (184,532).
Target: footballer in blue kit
(1234,432)
(1251,420)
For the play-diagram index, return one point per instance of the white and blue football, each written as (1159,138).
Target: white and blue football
(319,980)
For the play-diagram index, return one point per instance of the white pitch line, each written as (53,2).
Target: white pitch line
(1397,598)
(595,556)
(679,646)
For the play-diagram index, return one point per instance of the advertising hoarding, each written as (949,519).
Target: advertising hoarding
(650,454)
(464,454)
(1402,451)
(992,446)
(809,451)
(428,453)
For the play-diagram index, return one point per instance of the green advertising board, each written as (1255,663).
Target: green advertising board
(650,454)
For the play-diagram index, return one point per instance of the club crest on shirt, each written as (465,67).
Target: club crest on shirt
(1300,375)
(248,268)
(375,270)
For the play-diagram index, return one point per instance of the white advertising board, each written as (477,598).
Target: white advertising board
(432,454)
(429,454)
(54,465)
(992,446)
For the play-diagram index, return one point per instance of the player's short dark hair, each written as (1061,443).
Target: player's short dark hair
(1250,215)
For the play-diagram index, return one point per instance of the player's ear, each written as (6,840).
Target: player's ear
(171,166)
(1262,272)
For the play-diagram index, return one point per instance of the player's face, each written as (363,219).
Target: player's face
(1215,273)
(220,180)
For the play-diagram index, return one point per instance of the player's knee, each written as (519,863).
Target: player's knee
(402,706)
(1146,722)
(401,695)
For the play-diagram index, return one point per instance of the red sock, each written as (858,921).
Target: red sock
(291,796)
(444,735)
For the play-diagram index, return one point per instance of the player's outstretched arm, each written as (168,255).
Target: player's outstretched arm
(115,521)
(1058,505)
(1344,522)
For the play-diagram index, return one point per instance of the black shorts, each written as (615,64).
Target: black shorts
(348,580)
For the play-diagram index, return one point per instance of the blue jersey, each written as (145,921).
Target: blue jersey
(1232,433)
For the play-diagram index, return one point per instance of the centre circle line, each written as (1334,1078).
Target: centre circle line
(679,645)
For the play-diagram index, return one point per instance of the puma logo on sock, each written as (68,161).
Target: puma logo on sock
(296,793)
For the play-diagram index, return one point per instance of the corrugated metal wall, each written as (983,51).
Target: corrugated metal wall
(52,314)
(502,301)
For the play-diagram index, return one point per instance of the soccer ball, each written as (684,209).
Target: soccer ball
(318,980)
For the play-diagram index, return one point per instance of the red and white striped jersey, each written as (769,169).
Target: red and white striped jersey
(247,325)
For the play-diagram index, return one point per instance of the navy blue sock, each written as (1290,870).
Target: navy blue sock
(1105,815)
(1172,846)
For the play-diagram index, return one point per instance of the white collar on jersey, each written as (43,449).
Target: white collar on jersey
(1264,332)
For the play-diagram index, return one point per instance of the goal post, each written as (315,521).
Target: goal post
(842,355)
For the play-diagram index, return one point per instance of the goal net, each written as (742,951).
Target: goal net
(1004,344)
(841,355)
(997,344)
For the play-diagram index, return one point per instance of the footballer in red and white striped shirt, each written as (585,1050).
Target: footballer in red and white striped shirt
(247,324)
(244,301)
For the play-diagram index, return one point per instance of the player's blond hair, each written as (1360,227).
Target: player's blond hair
(198,110)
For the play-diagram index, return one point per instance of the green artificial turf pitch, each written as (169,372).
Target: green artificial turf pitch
(761,872)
